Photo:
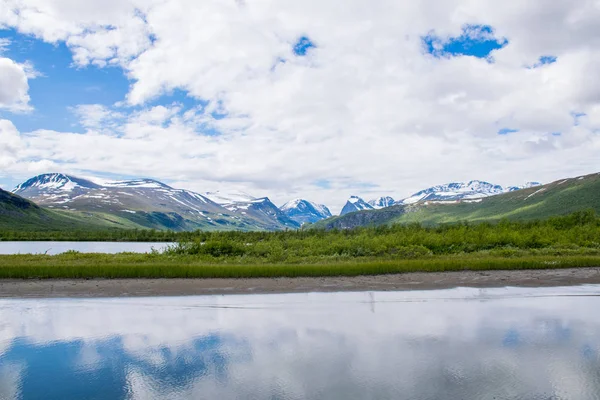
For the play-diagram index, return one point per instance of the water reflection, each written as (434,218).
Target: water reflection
(461,343)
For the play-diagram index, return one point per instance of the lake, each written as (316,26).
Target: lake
(444,344)
(83,247)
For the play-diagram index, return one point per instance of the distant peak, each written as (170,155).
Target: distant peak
(355,203)
(305,211)
(54,181)
(45,178)
(295,201)
(355,199)
(292,204)
(456,191)
(382,202)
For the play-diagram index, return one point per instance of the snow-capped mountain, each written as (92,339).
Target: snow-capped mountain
(69,192)
(382,202)
(355,203)
(153,204)
(448,193)
(147,202)
(263,209)
(451,192)
(455,191)
(304,211)
(54,185)
(260,208)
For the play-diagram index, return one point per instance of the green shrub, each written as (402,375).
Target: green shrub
(412,251)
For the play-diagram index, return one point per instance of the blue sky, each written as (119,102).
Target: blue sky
(61,85)
(308,102)
(475,40)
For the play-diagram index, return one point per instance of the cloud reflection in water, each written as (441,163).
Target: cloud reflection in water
(460,343)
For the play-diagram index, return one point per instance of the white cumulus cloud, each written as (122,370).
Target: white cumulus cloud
(14,86)
(366,111)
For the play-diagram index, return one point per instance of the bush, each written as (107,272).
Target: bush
(222,249)
(412,251)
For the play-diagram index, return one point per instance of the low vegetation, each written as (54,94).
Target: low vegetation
(559,242)
(80,266)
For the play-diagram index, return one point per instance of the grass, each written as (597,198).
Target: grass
(87,266)
(558,242)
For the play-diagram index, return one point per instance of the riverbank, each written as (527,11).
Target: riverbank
(92,288)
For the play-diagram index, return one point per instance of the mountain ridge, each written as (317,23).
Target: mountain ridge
(145,202)
(451,192)
(149,203)
(535,202)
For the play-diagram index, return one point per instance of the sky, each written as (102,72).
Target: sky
(307,99)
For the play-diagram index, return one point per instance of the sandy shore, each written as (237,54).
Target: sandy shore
(185,287)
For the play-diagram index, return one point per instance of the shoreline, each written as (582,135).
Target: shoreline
(94,288)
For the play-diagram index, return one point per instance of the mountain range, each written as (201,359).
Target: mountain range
(532,202)
(64,200)
(147,203)
(448,193)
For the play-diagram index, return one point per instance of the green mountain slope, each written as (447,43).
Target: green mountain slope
(557,198)
(18,214)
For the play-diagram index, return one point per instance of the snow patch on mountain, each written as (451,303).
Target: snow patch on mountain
(136,183)
(355,203)
(534,193)
(229,197)
(55,182)
(382,202)
(525,186)
(304,211)
(455,191)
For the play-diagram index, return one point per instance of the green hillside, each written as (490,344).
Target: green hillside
(557,198)
(19,214)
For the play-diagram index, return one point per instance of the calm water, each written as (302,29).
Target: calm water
(83,247)
(450,344)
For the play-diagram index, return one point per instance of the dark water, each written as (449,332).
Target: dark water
(449,344)
(83,247)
